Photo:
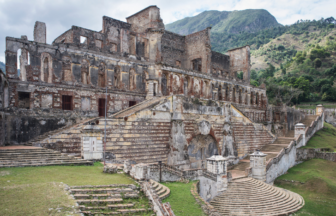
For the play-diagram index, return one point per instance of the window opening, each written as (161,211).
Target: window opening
(131,103)
(101,107)
(66,102)
(24,100)
(83,40)
(18,61)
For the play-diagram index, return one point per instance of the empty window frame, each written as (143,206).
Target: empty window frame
(131,103)
(24,100)
(66,102)
(83,40)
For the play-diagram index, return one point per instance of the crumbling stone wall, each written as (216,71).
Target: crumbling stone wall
(240,61)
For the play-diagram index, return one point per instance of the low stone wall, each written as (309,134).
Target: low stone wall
(206,207)
(159,208)
(307,154)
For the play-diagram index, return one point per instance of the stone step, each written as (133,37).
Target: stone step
(99,201)
(102,191)
(247,196)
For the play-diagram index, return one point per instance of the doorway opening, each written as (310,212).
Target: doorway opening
(101,106)
(66,102)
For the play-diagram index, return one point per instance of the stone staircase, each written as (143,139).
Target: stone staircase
(160,189)
(54,132)
(36,157)
(248,196)
(272,150)
(110,200)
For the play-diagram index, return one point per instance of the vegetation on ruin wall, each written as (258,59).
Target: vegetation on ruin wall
(39,191)
(315,181)
(325,138)
(181,199)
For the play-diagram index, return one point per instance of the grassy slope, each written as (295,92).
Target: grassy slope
(225,21)
(259,57)
(317,187)
(325,138)
(35,190)
(181,199)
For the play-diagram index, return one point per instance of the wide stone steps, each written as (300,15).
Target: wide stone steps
(36,157)
(247,196)
(160,189)
(108,200)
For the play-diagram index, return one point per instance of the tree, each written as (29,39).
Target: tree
(317,63)
(254,75)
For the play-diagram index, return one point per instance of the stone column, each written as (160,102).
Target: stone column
(217,165)
(258,164)
(150,89)
(254,99)
(319,109)
(300,129)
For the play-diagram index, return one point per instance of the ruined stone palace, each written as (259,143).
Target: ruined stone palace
(169,98)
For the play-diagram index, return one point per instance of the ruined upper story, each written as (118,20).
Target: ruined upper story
(137,57)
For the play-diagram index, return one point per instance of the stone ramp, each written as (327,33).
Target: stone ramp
(118,199)
(248,196)
(138,107)
(24,157)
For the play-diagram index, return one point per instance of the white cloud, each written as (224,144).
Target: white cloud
(17,17)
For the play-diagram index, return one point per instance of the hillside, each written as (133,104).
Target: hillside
(299,65)
(233,22)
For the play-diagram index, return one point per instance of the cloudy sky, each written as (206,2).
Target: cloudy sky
(17,17)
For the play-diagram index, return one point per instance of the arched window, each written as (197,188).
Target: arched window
(233,95)
(18,65)
(85,72)
(251,98)
(257,99)
(220,97)
(132,80)
(240,96)
(46,68)
(101,75)
(116,77)
(164,84)
(227,93)
(246,99)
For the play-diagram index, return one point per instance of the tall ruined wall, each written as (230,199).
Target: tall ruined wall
(198,48)
(220,65)
(240,61)
(173,49)
(146,18)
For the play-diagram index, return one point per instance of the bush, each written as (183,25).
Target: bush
(317,63)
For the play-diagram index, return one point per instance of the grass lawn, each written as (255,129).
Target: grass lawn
(316,184)
(325,138)
(39,191)
(181,200)
(312,105)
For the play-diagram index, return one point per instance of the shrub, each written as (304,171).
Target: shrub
(317,63)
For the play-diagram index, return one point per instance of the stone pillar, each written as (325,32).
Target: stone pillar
(150,89)
(217,164)
(300,129)
(319,109)
(258,164)
(254,99)
(40,32)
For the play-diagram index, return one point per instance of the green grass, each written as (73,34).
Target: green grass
(325,138)
(316,183)
(181,200)
(38,191)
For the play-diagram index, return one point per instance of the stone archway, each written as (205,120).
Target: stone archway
(200,148)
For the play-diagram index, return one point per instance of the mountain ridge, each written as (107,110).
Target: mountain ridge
(249,20)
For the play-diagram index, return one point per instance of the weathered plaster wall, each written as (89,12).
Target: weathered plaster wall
(240,61)
(307,154)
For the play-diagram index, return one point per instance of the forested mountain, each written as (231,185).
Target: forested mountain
(296,62)
(251,20)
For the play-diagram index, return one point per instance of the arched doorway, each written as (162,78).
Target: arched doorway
(200,148)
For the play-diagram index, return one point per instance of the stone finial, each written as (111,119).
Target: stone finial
(258,164)
(40,32)
(217,164)
(319,109)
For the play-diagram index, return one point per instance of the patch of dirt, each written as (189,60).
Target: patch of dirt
(4,173)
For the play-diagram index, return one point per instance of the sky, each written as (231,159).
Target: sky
(17,17)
